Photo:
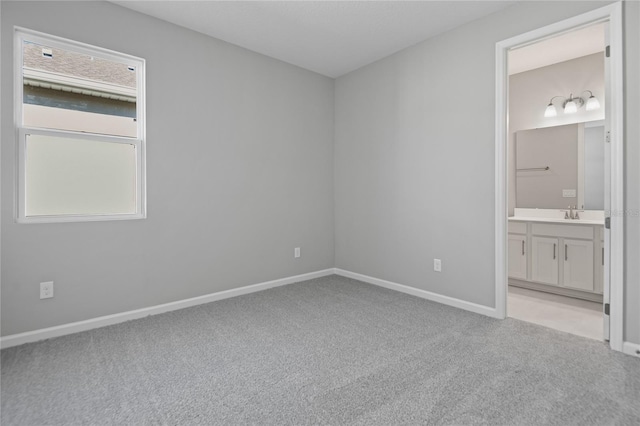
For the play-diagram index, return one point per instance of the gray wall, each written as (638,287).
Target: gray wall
(414,166)
(529,94)
(240,171)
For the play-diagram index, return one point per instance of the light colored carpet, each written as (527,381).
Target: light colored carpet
(574,316)
(326,351)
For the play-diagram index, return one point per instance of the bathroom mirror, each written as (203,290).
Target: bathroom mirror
(561,166)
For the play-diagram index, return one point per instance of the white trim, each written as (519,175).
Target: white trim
(616,256)
(632,349)
(501,192)
(445,300)
(613,14)
(76,327)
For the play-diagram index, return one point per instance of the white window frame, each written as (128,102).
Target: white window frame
(22,34)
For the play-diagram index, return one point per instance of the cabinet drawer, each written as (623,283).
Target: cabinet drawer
(565,231)
(517,227)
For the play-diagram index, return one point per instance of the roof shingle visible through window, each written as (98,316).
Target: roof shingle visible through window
(79,65)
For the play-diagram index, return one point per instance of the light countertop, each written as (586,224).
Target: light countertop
(587,217)
(556,220)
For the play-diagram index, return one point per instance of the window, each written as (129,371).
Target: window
(80,126)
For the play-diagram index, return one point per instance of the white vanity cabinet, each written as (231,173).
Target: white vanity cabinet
(563,258)
(517,252)
(578,265)
(544,260)
(599,261)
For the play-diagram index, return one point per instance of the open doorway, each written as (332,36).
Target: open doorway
(557,264)
(556,182)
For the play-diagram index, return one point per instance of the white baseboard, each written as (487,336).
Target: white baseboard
(632,349)
(628,348)
(76,327)
(445,300)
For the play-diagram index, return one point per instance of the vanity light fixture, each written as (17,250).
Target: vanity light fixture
(571,104)
(592,102)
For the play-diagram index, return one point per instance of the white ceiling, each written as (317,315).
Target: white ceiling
(328,37)
(564,47)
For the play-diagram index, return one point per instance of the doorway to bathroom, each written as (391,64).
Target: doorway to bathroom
(559,176)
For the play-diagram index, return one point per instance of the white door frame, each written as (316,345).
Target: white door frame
(613,14)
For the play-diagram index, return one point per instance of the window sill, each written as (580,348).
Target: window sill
(78,218)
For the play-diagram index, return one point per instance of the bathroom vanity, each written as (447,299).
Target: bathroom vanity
(548,248)
(549,253)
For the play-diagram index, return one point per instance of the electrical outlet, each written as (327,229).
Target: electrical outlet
(437,265)
(296,252)
(46,290)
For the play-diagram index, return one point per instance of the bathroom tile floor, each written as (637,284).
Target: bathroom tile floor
(562,313)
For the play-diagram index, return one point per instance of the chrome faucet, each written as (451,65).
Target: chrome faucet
(572,213)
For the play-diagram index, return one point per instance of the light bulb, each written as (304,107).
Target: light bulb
(550,111)
(592,103)
(570,107)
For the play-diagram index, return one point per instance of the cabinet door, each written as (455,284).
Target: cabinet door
(517,252)
(578,264)
(598,259)
(544,260)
